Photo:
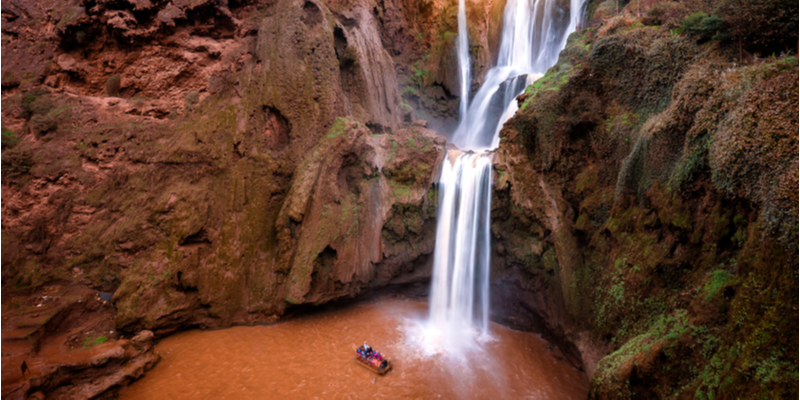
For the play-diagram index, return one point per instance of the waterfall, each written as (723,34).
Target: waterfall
(461,256)
(531,39)
(534,32)
(463,58)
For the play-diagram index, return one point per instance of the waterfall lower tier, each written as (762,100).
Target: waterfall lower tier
(459,302)
(460,293)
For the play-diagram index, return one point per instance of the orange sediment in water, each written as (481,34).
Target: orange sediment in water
(313,357)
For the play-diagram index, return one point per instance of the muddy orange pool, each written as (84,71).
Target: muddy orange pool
(312,357)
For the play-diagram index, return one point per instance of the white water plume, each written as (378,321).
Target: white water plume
(462,238)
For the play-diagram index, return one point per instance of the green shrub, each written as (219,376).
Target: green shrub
(9,138)
(36,101)
(42,123)
(421,74)
(410,91)
(703,27)
(113,86)
(192,98)
(693,22)
(719,278)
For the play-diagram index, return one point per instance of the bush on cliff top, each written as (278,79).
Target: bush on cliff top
(703,27)
(41,124)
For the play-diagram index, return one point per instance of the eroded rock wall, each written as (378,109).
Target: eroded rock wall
(187,157)
(166,151)
(633,217)
(201,164)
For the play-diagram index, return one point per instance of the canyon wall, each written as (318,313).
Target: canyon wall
(645,213)
(202,164)
(206,164)
(219,191)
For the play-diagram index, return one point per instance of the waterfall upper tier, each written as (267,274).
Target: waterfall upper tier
(534,32)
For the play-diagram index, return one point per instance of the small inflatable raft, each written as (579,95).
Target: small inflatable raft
(379,369)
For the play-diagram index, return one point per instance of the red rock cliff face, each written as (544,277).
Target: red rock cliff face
(208,163)
(218,163)
(185,156)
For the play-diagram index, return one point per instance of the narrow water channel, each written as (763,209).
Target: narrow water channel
(312,357)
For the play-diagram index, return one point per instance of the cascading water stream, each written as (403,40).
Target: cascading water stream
(459,299)
(463,58)
(461,257)
(534,32)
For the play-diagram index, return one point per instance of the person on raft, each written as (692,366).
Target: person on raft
(372,357)
(365,351)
